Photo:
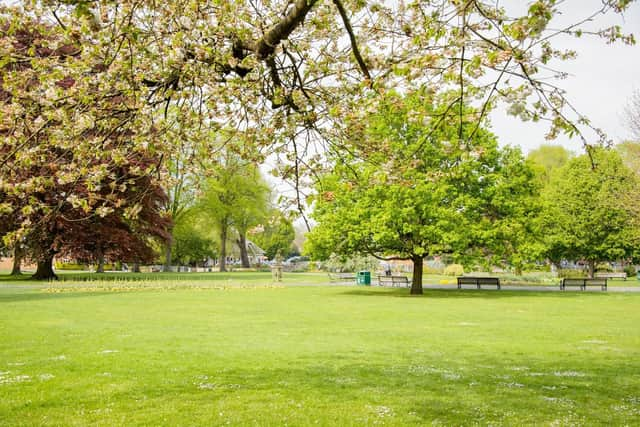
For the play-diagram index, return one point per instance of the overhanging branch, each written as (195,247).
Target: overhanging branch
(352,39)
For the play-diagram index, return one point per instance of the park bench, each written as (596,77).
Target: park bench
(393,280)
(478,281)
(582,283)
(607,275)
(342,277)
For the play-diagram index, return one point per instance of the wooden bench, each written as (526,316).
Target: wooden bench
(478,281)
(582,283)
(393,280)
(606,275)
(342,277)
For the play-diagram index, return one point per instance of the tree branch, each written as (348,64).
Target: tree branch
(352,38)
(266,46)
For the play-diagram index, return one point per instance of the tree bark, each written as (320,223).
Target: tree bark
(17,261)
(167,253)
(272,38)
(223,248)
(100,256)
(416,283)
(136,267)
(45,269)
(244,255)
(167,258)
(592,268)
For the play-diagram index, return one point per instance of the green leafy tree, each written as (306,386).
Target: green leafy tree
(428,185)
(586,213)
(193,241)
(547,159)
(630,153)
(234,196)
(276,234)
(181,181)
(250,210)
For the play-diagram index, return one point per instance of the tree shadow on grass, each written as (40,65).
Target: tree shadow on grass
(472,293)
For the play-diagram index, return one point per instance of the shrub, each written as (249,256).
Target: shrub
(454,270)
(354,263)
(571,273)
(605,267)
(630,270)
(432,270)
(69,266)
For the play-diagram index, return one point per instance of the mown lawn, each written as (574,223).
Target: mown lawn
(300,355)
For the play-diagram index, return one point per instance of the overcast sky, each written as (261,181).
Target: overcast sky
(600,83)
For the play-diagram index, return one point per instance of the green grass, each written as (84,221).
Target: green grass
(276,355)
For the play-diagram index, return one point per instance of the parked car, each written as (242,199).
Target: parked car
(296,260)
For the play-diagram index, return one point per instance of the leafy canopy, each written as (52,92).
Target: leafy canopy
(588,213)
(419,183)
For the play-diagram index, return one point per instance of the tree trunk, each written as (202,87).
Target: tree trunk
(17,261)
(135,268)
(223,248)
(416,282)
(45,269)
(592,268)
(244,255)
(518,270)
(100,256)
(167,253)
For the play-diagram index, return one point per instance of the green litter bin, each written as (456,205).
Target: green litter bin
(363,278)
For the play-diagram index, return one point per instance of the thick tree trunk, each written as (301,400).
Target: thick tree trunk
(167,253)
(416,283)
(17,261)
(592,268)
(136,267)
(244,255)
(223,249)
(45,269)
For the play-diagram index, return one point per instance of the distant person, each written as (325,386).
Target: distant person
(387,270)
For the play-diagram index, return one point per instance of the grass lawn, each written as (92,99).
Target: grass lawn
(316,355)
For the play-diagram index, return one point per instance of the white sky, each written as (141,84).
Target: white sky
(599,86)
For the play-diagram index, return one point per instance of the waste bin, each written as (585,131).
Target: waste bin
(363,278)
